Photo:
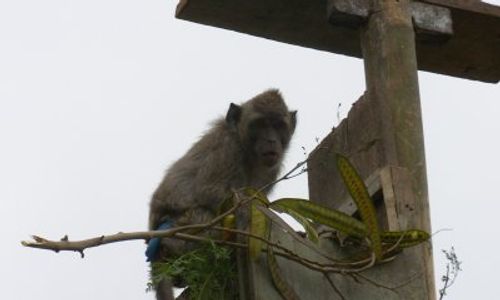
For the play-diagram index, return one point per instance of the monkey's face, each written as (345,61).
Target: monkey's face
(268,137)
(264,126)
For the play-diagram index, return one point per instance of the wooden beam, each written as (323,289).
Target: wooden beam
(472,51)
(431,20)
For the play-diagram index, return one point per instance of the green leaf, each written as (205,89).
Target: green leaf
(361,197)
(228,221)
(205,292)
(258,226)
(312,234)
(322,215)
(209,271)
(305,209)
(275,219)
(285,290)
(407,238)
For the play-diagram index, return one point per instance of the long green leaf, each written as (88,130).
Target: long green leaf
(407,238)
(322,215)
(259,227)
(285,290)
(305,209)
(312,234)
(361,197)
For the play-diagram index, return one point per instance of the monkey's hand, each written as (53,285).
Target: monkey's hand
(154,244)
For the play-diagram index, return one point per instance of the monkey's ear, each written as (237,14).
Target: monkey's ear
(233,114)
(293,120)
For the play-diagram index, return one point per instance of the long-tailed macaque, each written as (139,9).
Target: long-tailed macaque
(244,149)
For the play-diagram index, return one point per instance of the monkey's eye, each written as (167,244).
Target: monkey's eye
(258,124)
(255,128)
(279,125)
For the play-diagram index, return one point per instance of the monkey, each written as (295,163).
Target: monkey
(244,149)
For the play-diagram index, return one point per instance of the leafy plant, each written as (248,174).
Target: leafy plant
(208,271)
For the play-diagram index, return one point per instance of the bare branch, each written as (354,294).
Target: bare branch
(288,175)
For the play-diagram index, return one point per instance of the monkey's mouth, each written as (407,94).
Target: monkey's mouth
(270,158)
(270,154)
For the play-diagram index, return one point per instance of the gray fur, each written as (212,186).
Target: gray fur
(225,158)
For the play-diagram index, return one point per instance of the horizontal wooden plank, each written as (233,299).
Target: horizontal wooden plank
(472,51)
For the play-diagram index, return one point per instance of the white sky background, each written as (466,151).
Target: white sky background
(97,98)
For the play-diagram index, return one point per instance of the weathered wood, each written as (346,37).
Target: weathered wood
(384,130)
(430,20)
(397,210)
(471,52)
(391,75)
(358,136)
(306,283)
(392,82)
(405,273)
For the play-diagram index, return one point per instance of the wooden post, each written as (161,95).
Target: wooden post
(388,45)
(383,137)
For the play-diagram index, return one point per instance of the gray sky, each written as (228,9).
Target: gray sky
(97,98)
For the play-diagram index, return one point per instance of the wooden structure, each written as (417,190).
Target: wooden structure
(382,134)
(471,51)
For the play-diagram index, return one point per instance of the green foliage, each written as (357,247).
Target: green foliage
(361,197)
(284,288)
(322,215)
(259,226)
(209,272)
(405,239)
(311,232)
(303,210)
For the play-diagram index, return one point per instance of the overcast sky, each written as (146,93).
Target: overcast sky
(97,98)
